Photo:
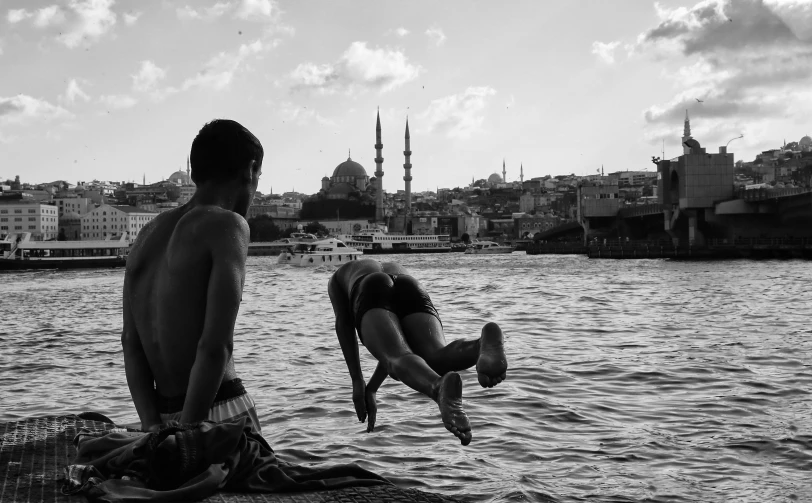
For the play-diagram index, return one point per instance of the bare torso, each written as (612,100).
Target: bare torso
(167,282)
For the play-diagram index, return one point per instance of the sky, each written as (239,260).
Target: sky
(115,90)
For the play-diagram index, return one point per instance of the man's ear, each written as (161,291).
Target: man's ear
(248,171)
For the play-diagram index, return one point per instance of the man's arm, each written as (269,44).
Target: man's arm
(345,330)
(136,367)
(226,237)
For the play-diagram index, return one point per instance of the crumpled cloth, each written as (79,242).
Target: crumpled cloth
(192,462)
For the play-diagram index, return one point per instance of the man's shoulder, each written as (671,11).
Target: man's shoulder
(210,220)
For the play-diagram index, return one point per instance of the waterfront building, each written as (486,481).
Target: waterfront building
(70,227)
(26,215)
(108,221)
(75,205)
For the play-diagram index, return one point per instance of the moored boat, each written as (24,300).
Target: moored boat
(376,241)
(19,252)
(488,248)
(265,248)
(329,251)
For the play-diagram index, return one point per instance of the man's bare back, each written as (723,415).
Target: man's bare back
(183,288)
(167,283)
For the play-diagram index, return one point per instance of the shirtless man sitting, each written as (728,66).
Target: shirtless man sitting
(183,287)
(398,324)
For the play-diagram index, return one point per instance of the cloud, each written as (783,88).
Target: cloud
(187,13)
(219,71)
(92,19)
(23,108)
(605,51)
(130,18)
(401,32)
(457,115)
(750,61)
(49,16)
(148,76)
(118,101)
(15,16)
(359,68)
(436,35)
(74,92)
(256,10)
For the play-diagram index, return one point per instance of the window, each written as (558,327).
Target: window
(3,227)
(18,219)
(18,227)
(3,211)
(32,219)
(32,211)
(31,227)
(18,211)
(4,219)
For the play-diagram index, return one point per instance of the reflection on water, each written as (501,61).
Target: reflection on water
(628,380)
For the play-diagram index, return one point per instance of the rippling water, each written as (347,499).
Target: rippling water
(628,380)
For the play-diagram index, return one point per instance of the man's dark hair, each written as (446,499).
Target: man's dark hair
(221,149)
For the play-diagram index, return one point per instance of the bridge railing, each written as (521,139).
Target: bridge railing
(765,194)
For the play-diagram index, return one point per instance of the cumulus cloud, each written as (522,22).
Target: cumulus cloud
(117,101)
(149,74)
(187,13)
(91,20)
(605,51)
(359,68)
(219,71)
(23,109)
(436,35)
(248,10)
(130,18)
(748,60)
(400,32)
(15,16)
(74,92)
(458,115)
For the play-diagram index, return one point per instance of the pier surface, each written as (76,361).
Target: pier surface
(34,453)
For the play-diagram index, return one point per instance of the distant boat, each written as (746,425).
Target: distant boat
(376,241)
(488,248)
(23,253)
(329,251)
(265,248)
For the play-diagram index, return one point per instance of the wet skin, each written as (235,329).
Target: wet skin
(412,350)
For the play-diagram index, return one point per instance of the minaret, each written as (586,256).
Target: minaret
(686,134)
(379,170)
(407,166)
(504,173)
(188,168)
(521,172)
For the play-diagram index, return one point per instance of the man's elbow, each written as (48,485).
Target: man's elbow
(214,352)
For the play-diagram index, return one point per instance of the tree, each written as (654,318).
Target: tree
(316,228)
(465,238)
(263,228)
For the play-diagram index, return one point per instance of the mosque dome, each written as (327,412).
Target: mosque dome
(70,218)
(495,178)
(805,141)
(182,176)
(349,168)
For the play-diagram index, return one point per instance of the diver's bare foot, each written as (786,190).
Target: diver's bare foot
(491,366)
(449,398)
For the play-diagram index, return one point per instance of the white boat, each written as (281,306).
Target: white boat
(374,241)
(322,252)
(264,248)
(19,252)
(487,248)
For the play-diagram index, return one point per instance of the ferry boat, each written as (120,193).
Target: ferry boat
(487,248)
(265,248)
(376,241)
(24,253)
(329,251)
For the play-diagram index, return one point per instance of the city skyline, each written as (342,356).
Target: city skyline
(99,90)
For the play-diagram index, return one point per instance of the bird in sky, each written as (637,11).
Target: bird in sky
(698,100)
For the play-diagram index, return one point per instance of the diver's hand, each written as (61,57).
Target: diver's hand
(358,398)
(372,410)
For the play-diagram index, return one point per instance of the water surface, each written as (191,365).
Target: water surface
(643,380)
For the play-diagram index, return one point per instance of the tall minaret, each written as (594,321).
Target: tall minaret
(188,168)
(379,170)
(521,172)
(504,173)
(686,134)
(408,167)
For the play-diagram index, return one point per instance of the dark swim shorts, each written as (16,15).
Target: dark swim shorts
(398,293)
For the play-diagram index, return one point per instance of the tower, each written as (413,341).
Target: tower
(379,170)
(504,173)
(521,172)
(407,166)
(188,168)
(686,134)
